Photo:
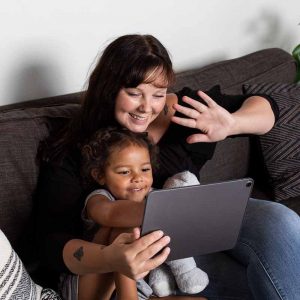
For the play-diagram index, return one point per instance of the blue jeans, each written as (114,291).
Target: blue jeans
(265,264)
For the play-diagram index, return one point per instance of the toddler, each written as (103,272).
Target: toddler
(121,163)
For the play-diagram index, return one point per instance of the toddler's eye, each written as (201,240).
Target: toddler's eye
(146,169)
(123,172)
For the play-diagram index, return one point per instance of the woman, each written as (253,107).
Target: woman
(128,88)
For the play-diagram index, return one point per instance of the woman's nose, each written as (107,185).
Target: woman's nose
(145,105)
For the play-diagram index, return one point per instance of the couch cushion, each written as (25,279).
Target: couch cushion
(262,66)
(230,161)
(21,130)
(281,146)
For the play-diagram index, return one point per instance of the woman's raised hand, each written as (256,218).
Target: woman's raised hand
(134,256)
(214,122)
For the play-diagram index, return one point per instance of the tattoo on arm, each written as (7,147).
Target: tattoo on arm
(166,109)
(78,254)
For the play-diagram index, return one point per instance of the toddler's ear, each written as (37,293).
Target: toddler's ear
(97,176)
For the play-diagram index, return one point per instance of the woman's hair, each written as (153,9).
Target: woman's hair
(126,62)
(96,152)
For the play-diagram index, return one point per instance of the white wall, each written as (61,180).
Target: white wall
(47,47)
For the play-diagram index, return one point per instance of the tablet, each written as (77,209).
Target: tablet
(200,219)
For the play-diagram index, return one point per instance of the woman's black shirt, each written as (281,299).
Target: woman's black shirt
(60,193)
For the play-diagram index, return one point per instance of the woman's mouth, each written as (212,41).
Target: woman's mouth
(138,118)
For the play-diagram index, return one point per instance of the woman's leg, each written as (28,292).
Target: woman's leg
(269,247)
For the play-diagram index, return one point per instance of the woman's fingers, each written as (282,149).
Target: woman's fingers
(125,238)
(146,246)
(154,248)
(196,107)
(191,112)
(154,262)
(194,112)
(141,255)
(152,252)
(147,240)
(192,123)
(213,121)
(136,233)
(197,138)
(209,101)
(197,104)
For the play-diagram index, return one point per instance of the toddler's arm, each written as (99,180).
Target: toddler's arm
(120,213)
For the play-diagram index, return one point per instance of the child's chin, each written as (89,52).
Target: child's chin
(138,199)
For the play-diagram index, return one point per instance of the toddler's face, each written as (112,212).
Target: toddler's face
(128,175)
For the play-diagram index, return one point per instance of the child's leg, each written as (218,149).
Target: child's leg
(127,288)
(97,286)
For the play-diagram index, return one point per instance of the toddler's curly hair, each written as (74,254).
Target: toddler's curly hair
(95,153)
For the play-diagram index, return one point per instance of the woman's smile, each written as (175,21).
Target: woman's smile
(137,107)
(138,117)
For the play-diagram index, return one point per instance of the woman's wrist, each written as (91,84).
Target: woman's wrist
(234,127)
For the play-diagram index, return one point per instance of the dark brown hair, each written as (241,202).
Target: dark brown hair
(126,62)
(96,152)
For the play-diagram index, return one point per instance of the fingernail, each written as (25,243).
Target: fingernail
(160,233)
(167,238)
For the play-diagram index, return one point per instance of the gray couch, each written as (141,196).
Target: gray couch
(24,125)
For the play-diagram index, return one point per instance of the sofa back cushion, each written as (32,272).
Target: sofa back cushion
(21,131)
(280,147)
(23,126)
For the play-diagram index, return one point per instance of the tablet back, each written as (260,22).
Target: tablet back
(199,219)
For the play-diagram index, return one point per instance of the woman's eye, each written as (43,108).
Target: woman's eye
(133,94)
(146,169)
(159,97)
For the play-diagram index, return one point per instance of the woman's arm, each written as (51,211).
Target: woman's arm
(121,213)
(128,254)
(255,116)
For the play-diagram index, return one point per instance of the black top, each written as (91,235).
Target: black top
(60,193)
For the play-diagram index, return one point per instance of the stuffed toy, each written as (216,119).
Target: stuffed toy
(182,273)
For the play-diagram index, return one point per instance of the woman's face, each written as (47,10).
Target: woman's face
(137,107)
